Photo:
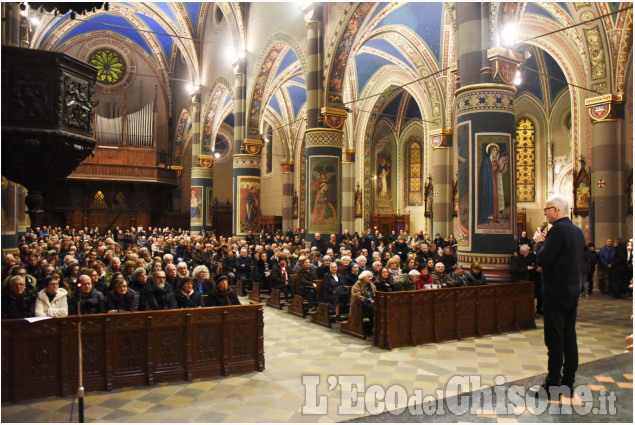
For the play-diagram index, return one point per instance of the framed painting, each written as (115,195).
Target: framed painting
(196,206)
(248,211)
(493,206)
(323,212)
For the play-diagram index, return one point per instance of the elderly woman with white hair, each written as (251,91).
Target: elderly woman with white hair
(363,293)
(202,281)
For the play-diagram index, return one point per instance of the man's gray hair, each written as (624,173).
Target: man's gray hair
(524,247)
(560,202)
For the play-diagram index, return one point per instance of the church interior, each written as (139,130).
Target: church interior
(456,118)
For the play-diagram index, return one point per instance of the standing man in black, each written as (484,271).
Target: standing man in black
(560,254)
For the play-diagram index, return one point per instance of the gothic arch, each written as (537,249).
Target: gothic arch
(263,76)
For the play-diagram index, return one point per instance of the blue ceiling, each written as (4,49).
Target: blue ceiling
(105,22)
(273,103)
(385,46)
(297,95)
(424,19)
(366,64)
(532,81)
(289,59)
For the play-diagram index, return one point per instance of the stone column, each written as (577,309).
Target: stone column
(442,177)
(348,190)
(246,215)
(313,18)
(324,181)
(287,195)
(608,195)
(240,90)
(202,174)
(246,175)
(485,127)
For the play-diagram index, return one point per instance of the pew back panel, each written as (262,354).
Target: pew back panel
(129,349)
(415,317)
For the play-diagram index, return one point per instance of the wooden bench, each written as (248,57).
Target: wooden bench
(129,349)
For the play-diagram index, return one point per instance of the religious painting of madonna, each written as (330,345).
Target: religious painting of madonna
(249,204)
(324,194)
(494,212)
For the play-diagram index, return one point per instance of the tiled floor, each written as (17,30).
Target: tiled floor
(296,347)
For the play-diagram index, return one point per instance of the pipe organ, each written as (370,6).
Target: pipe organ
(135,129)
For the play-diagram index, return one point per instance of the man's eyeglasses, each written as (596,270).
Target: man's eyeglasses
(547,209)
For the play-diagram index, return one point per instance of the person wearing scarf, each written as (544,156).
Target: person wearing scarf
(186,296)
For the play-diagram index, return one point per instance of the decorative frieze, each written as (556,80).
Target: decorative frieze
(247,161)
(485,98)
(324,137)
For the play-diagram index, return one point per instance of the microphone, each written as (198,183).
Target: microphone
(543,226)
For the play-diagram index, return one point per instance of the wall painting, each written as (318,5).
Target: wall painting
(493,204)
(249,204)
(464,184)
(324,194)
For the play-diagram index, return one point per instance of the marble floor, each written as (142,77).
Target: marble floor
(327,361)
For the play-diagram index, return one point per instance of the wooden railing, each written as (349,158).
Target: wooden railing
(418,317)
(129,349)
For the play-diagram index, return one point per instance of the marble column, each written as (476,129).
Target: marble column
(608,177)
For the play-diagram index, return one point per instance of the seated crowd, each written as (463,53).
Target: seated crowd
(59,271)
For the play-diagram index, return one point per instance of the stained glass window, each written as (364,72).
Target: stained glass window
(110,67)
(413,173)
(99,201)
(525,161)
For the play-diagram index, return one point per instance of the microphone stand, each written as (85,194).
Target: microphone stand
(80,389)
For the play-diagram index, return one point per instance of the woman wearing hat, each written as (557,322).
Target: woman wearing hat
(222,294)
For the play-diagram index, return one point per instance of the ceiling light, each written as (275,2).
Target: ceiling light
(509,34)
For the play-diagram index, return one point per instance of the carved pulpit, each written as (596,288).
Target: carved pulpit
(47,119)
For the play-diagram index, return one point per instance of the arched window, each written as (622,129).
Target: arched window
(414,159)
(525,161)
(99,202)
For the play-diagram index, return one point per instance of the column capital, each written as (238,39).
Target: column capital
(195,93)
(348,156)
(253,146)
(334,117)
(441,138)
(206,161)
(287,167)
(505,63)
(602,108)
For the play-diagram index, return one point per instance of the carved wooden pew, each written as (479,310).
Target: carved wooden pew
(322,316)
(297,305)
(437,315)
(129,349)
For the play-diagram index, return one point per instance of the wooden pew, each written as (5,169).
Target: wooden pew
(353,326)
(437,315)
(254,294)
(322,316)
(129,349)
(297,306)
(275,301)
